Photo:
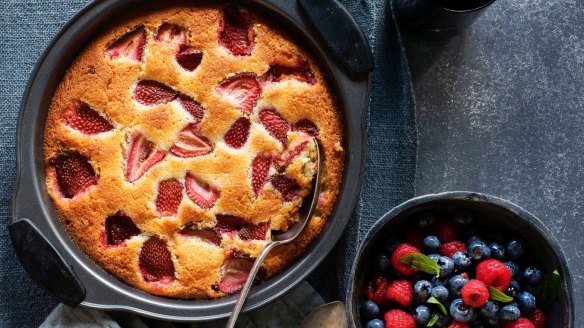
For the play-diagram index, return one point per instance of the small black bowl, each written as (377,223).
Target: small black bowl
(491,213)
(443,17)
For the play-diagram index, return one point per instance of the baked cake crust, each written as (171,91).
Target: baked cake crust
(108,86)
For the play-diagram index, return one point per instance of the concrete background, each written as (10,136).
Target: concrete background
(500,110)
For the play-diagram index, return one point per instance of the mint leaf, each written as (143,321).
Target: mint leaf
(421,262)
(434,319)
(546,292)
(433,300)
(497,295)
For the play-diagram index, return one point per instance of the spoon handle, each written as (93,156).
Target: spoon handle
(248,283)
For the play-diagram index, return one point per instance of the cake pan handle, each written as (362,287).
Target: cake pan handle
(340,32)
(44,265)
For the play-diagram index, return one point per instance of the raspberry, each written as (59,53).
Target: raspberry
(446,231)
(401,250)
(475,293)
(400,291)
(456,324)
(519,323)
(376,289)
(495,274)
(538,318)
(414,237)
(399,319)
(451,247)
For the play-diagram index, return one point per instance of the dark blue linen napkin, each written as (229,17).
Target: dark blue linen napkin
(26,28)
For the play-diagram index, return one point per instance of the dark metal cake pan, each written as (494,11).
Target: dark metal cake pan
(64,271)
(492,214)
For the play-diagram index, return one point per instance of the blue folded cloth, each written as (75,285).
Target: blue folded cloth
(287,311)
(28,26)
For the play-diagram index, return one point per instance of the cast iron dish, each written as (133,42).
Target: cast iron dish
(58,265)
(540,243)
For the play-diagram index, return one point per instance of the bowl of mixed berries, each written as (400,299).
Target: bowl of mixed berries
(460,260)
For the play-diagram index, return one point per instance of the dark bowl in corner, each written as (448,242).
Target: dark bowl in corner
(488,211)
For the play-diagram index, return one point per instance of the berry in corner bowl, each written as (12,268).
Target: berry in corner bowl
(460,260)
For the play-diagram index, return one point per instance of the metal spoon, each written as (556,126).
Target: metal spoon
(281,238)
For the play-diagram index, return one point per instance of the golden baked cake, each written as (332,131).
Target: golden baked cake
(180,139)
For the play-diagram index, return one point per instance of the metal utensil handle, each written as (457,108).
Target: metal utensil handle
(248,283)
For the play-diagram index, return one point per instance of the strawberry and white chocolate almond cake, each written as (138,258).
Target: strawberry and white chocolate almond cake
(181,138)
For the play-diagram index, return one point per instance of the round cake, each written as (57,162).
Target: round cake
(181,138)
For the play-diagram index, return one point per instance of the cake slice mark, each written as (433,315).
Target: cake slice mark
(81,117)
(191,143)
(200,192)
(150,93)
(170,194)
(73,173)
(235,226)
(260,167)
(242,89)
(238,133)
(287,186)
(141,155)
(155,261)
(189,58)
(275,124)
(207,235)
(119,228)
(301,71)
(171,33)
(129,46)
(235,271)
(235,31)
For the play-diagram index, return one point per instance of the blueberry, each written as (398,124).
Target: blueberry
(440,293)
(515,249)
(422,315)
(472,239)
(456,283)
(369,309)
(382,262)
(513,289)
(461,261)
(434,257)
(439,281)
(478,250)
(497,251)
(426,221)
(490,310)
(514,267)
(532,275)
(463,219)
(526,301)
(431,243)
(460,311)
(391,244)
(422,289)
(510,313)
(376,323)
(446,266)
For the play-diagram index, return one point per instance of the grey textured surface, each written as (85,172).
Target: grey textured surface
(500,110)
